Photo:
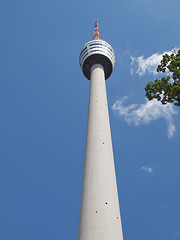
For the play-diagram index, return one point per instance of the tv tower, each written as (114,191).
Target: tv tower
(100,215)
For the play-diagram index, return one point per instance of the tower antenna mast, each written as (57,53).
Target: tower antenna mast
(97,35)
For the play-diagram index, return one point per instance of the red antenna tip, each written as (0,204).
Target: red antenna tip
(96,32)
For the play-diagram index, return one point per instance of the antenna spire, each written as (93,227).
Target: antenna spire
(97,35)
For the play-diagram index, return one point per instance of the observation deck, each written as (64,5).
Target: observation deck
(97,51)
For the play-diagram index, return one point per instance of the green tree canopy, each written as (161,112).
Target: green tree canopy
(167,89)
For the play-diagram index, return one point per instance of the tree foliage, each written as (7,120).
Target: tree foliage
(167,89)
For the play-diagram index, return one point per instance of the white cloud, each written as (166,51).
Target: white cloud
(147,169)
(142,66)
(136,114)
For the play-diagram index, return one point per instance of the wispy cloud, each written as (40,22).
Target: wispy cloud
(177,233)
(142,66)
(136,114)
(147,169)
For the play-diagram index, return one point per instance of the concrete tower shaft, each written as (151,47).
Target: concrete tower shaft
(100,215)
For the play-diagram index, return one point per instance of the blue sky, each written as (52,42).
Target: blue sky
(44,104)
